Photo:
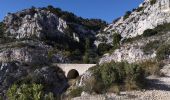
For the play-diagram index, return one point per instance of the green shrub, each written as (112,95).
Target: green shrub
(28,92)
(112,73)
(103,48)
(49,96)
(151,67)
(116,40)
(163,52)
(163,28)
(152,2)
(87,47)
(92,24)
(149,32)
(122,74)
(127,14)
(139,9)
(2,30)
(134,77)
(129,40)
(76,92)
(151,46)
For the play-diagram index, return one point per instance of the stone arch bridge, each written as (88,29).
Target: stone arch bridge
(73,70)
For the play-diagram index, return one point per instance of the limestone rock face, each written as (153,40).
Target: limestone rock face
(129,54)
(134,51)
(29,52)
(146,16)
(34,23)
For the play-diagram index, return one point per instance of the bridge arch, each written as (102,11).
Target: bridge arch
(75,70)
(72,74)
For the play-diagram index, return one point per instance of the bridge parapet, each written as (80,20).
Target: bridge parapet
(80,68)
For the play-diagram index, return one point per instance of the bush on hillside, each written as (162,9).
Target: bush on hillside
(28,92)
(151,67)
(134,77)
(151,46)
(1,30)
(152,2)
(94,24)
(149,32)
(163,52)
(116,40)
(127,14)
(103,48)
(76,92)
(120,74)
(163,28)
(139,9)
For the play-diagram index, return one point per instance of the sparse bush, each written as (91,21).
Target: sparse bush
(163,28)
(103,48)
(163,52)
(76,92)
(129,40)
(139,9)
(115,89)
(2,29)
(151,46)
(116,40)
(87,47)
(149,32)
(27,92)
(93,24)
(49,96)
(127,14)
(122,74)
(152,2)
(134,77)
(151,67)
(89,85)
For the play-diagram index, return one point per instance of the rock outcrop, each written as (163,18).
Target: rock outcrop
(14,72)
(147,16)
(134,51)
(33,22)
(30,52)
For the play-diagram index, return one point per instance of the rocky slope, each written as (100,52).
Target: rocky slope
(32,39)
(61,35)
(34,23)
(149,15)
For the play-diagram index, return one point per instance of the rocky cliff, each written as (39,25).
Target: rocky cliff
(147,16)
(34,23)
(151,14)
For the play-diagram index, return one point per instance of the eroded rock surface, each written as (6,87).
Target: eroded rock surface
(31,23)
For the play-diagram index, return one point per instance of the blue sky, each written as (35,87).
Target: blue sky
(103,9)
